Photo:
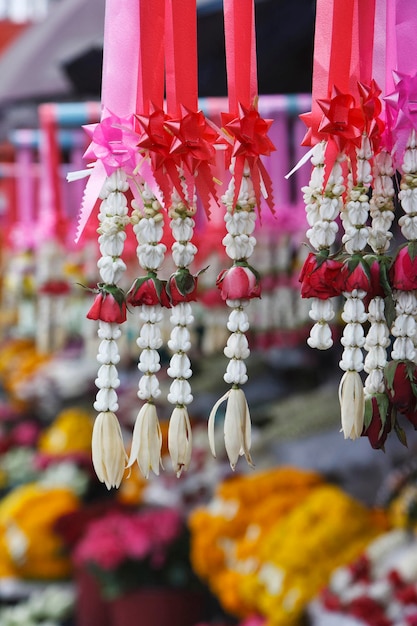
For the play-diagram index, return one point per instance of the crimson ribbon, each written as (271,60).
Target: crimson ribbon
(182,138)
(243,123)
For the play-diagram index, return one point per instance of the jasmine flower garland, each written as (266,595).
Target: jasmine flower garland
(323,205)
(109,308)
(238,285)
(355,288)
(148,293)
(378,336)
(401,372)
(181,289)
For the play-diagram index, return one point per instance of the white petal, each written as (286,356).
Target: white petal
(210,425)
(180,439)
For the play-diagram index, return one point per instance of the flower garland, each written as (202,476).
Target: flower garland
(148,292)
(377,420)
(403,365)
(181,289)
(323,205)
(109,308)
(238,285)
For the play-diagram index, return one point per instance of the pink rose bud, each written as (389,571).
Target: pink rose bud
(403,272)
(240,282)
(109,305)
(147,290)
(319,277)
(182,287)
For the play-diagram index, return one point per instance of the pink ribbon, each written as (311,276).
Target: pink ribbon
(118,96)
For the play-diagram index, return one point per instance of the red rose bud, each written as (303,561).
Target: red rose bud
(378,422)
(318,277)
(109,305)
(403,272)
(240,282)
(182,287)
(147,290)
(379,283)
(401,385)
(355,274)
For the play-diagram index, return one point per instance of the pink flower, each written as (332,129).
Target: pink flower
(355,274)
(240,282)
(109,305)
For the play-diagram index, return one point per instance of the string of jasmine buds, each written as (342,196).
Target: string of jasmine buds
(181,290)
(238,285)
(108,452)
(355,239)
(322,209)
(147,292)
(380,235)
(405,326)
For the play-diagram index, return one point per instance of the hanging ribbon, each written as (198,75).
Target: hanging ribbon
(185,130)
(53,223)
(118,99)
(402,102)
(242,123)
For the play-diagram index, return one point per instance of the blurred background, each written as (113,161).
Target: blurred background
(293,541)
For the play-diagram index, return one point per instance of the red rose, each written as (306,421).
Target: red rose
(379,285)
(400,382)
(403,272)
(147,290)
(355,274)
(240,282)
(182,287)
(109,305)
(318,277)
(380,424)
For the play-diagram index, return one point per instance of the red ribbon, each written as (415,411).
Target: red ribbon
(150,84)
(243,122)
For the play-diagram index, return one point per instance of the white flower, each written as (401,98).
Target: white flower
(111,269)
(108,352)
(107,376)
(320,337)
(112,244)
(237,347)
(183,253)
(179,366)
(108,452)
(146,441)
(148,387)
(182,229)
(149,361)
(236,372)
(149,230)
(180,439)
(151,256)
(150,337)
(106,400)
(180,392)
(352,404)
(237,426)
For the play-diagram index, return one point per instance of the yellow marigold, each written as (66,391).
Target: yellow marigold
(226,534)
(298,554)
(27,518)
(70,432)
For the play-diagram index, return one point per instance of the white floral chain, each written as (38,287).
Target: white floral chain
(180,395)
(404,326)
(148,226)
(380,235)
(322,209)
(108,451)
(239,244)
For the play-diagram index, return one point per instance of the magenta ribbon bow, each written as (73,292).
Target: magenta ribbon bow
(402,108)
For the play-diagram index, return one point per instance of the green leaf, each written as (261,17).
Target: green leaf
(400,434)
(368,413)
(412,249)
